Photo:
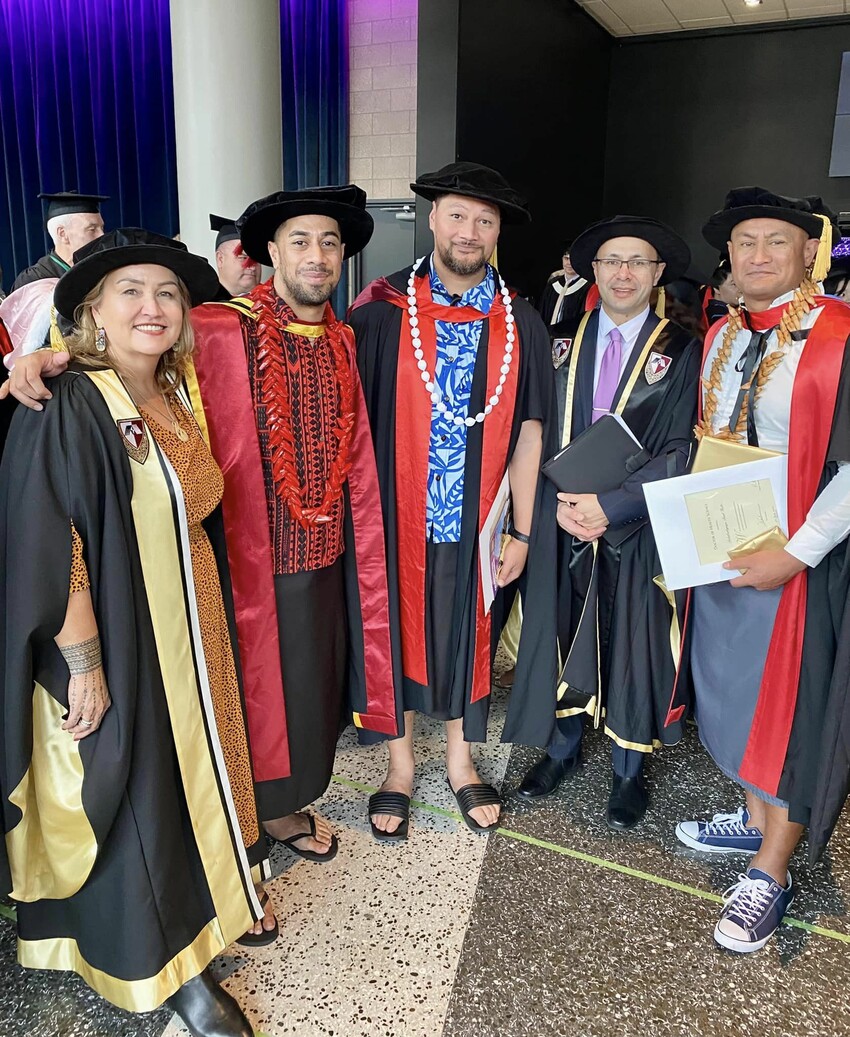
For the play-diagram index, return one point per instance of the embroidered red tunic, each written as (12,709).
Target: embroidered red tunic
(313,392)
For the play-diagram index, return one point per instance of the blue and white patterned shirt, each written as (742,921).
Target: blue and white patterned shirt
(457,347)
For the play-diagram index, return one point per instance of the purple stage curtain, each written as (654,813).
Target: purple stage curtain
(314,90)
(86,103)
(314,84)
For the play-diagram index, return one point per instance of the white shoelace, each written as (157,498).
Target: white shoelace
(751,896)
(727,824)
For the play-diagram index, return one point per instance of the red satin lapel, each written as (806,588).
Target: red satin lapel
(228,406)
(370,555)
(413,431)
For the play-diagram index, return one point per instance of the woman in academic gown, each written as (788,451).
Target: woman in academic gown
(125,772)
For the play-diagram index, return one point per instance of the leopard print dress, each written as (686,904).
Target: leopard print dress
(203,485)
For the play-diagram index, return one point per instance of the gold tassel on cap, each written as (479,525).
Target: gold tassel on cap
(661,302)
(57,343)
(823,258)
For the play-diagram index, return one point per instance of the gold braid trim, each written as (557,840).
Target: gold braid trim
(792,320)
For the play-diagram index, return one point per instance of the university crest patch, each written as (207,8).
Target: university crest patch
(656,367)
(135,438)
(560,350)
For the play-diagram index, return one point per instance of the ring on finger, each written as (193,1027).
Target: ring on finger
(86,723)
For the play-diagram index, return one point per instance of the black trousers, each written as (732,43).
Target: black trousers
(449,648)
(313,654)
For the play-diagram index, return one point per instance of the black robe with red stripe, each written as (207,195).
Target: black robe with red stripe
(377,318)
(804,759)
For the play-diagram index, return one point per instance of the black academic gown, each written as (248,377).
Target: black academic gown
(48,266)
(572,306)
(828,758)
(377,327)
(126,864)
(612,622)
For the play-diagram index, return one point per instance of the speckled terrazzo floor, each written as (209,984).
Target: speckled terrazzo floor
(453,935)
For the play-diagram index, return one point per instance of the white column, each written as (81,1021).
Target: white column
(226,58)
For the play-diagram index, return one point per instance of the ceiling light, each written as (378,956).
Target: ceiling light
(752,3)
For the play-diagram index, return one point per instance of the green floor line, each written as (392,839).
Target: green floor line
(599,862)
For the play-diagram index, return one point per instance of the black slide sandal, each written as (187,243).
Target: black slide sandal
(394,804)
(472,796)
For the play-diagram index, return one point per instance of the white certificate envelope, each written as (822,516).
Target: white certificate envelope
(697,519)
(490,542)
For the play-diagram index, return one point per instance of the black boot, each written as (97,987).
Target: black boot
(627,804)
(208,1010)
(546,775)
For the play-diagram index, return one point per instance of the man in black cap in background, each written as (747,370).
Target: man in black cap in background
(73,220)
(237,272)
(459,391)
(565,292)
(612,622)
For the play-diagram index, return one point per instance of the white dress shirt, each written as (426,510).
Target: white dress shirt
(828,520)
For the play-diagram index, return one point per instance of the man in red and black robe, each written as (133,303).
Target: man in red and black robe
(767,652)
(277,376)
(459,391)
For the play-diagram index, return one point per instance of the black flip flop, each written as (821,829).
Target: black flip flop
(264,938)
(394,804)
(309,855)
(472,796)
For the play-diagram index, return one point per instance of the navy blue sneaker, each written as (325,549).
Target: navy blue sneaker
(754,908)
(724,833)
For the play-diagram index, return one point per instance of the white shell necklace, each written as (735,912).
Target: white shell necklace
(428,378)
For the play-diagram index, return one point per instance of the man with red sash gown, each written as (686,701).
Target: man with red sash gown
(767,658)
(459,390)
(280,399)
(301,506)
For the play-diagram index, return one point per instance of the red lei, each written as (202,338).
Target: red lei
(275,394)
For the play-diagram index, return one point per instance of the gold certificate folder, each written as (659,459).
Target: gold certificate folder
(723,453)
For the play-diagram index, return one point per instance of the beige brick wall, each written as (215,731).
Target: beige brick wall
(383,96)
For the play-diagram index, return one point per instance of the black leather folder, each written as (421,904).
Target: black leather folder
(598,460)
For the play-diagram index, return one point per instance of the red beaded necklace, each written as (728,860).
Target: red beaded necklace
(275,395)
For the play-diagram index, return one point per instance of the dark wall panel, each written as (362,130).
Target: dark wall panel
(691,116)
(531,102)
(436,97)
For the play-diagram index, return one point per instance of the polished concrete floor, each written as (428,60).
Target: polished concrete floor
(553,926)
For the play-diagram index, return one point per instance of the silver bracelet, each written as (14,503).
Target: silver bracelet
(83,657)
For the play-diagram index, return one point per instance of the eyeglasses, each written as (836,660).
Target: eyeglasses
(636,266)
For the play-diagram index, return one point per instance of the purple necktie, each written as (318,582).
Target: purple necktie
(609,375)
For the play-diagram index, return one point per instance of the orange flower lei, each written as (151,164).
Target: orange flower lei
(275,395)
